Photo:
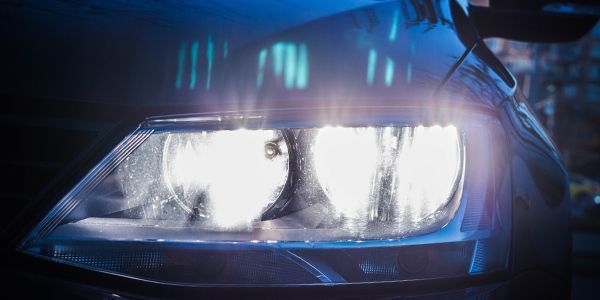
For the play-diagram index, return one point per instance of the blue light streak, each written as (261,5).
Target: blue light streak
(371,66)
(290,65)
(389,71)
(278,52)
(302,75)
(209,56)
(409,73)
(180,65)
(194,55)
(262,59)
(394,27)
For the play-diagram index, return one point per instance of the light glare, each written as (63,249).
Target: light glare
(230,170)
(345,162)
(427,168)
(360,169)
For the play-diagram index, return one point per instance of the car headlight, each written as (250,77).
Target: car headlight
(219,201)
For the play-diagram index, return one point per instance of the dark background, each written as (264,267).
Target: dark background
(562,83)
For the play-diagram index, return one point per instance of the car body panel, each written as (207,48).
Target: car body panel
(234,57)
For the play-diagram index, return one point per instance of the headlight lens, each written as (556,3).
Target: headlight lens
(204,204)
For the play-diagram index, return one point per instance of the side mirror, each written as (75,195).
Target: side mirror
(545,21)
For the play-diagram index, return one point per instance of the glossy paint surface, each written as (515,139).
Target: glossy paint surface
(261,54)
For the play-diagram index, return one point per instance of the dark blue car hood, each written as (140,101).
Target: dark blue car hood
(230,55)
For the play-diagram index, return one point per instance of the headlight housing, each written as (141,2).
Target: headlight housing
(243,200)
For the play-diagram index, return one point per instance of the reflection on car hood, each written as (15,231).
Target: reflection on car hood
(230,55)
